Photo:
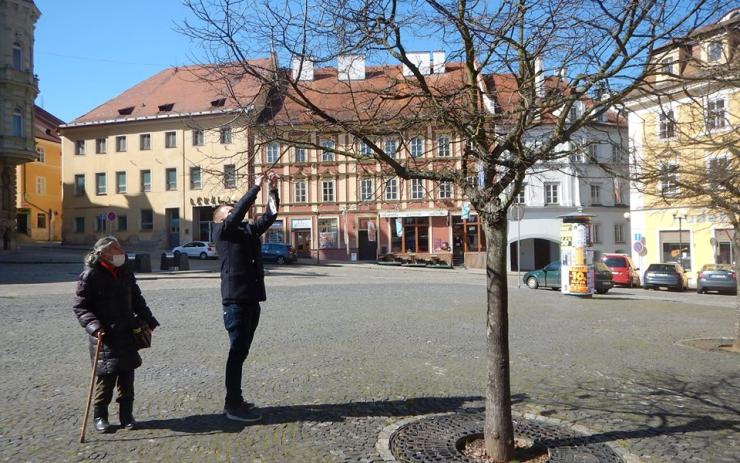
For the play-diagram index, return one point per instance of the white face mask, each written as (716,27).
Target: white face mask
(118,259)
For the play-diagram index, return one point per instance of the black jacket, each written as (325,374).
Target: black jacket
(239,247)
(113,304)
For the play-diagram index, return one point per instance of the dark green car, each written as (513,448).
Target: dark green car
(549,276)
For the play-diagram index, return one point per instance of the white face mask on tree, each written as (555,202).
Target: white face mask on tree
(118,259)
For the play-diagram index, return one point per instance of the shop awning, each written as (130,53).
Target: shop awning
(416,213)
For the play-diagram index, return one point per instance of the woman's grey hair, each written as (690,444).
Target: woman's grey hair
(93,257)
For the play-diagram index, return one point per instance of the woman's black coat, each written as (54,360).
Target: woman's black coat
(112,303)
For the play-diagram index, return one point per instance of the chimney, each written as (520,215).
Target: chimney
(302,68)
(438,62)
(350,67)
(420,59)
(539,77)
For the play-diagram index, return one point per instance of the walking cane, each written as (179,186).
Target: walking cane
(90,393)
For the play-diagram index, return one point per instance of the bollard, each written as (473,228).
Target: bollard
(143,263)
(164,263)
(182,262)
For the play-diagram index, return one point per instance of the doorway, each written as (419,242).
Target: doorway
(172,221)
(23,223)
(302,242)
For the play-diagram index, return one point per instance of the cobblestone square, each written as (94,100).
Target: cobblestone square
(344,351)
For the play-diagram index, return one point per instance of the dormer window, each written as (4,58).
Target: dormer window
(714,52)
(163,108)
(218,103)
(126,111)
(667,65)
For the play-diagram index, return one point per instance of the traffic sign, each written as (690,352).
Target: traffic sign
(112,216)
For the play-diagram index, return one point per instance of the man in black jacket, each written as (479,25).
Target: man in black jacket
(242,286)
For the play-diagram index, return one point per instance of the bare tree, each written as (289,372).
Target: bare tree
(517,89)
(690,154)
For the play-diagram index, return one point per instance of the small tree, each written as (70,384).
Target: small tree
(692,164)
(524,71)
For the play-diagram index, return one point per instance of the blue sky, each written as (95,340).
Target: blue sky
(88,51)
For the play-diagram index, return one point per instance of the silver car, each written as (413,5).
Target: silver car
(200,249)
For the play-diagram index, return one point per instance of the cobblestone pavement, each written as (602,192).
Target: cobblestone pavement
(344,351)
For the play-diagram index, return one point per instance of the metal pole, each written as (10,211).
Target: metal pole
(680,240)
(519,252)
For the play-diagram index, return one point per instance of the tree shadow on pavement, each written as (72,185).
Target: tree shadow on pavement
(322,413)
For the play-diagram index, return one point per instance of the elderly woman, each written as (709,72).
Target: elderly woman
(109,305)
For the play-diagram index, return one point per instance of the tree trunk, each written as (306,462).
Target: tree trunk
(498,428)
(736,256)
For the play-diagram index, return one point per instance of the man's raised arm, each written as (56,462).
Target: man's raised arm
(240,209)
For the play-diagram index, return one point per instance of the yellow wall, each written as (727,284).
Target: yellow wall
(31,202)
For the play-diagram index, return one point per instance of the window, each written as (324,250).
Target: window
(391,189)
(101,223)
(195,178)
(617,153)
(365,149)
(521,197)
(147,219)
(551,193)
(327,154)
(391,148)
(475,237)
(328,233)
(443,146)
(40,220)
(714,51)
(596,230)
(146,180)
(715,114)
(225,135)
(170,179)
(668,179)
(593,152)
(327,191)
(198,137)
(299,154)
(595,194)
(41,185)
(122,223)
(40,154)
(676,247)
(417,147)
(619,233)
(445,190)
(17,123)
(79,147)
(413,236)
(299,192)
(145,142)
(79,226)
(79,184)
(101,145)
(666,66)
(121,144)
(366,189)
(17,56)
(719,172)
(666,125)
(100,187)
(229,176)
(417,188)
(170,140)
(273,153)
(121,182)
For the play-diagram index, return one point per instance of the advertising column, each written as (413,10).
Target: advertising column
(576,255)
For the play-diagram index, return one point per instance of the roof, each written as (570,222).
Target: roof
(180,91)
(45,125)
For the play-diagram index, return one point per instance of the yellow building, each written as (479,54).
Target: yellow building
(683,126)
(39,184)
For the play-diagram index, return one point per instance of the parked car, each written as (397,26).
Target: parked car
(200,249)
(547,276)
(623,269)
(668,275)
(603,278)
(717,277)
(279,253)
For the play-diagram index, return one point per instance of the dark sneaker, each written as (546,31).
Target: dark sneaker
(102,426)
(246,405)
(242,414)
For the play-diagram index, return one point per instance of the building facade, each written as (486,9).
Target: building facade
(686,124)
(39,183)
(18,90)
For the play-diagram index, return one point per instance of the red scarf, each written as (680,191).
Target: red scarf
(110,267)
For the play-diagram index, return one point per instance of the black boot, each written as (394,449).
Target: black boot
(126,415)
(100,418)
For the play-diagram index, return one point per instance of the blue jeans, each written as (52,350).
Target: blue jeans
(240,321)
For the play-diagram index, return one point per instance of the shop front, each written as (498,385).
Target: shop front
(416,236)
(301,236)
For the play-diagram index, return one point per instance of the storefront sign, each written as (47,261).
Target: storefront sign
(300,224)
(416,213)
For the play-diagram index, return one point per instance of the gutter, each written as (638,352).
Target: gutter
(249,108)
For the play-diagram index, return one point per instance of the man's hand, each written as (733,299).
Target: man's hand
(258,179)
(272,178)
(99,333)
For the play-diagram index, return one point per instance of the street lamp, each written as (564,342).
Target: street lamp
(680,218)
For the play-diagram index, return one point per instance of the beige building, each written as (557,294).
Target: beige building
(18,89)
(150,164)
